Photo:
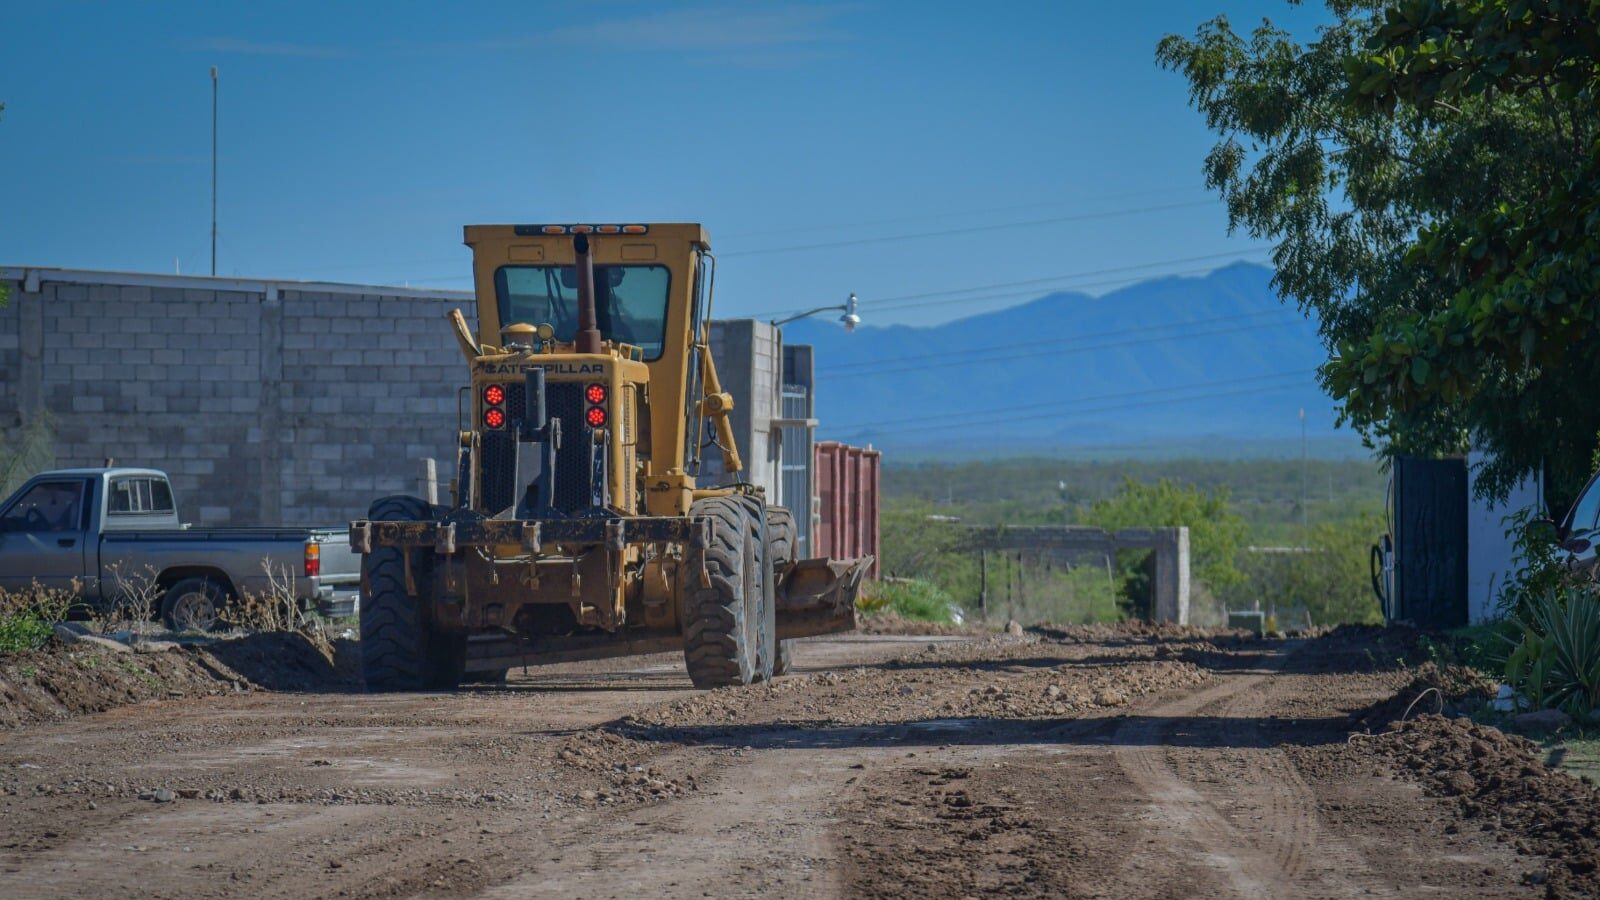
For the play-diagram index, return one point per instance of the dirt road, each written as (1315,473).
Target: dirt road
(1091,763)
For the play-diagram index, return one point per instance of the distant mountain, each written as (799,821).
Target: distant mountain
(1210,366)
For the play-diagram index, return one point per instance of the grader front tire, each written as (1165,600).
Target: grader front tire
(398,650)
(723,640)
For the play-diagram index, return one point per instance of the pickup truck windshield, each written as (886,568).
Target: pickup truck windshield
(630,302)
(47,506)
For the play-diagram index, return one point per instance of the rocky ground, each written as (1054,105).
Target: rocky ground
(1096,762)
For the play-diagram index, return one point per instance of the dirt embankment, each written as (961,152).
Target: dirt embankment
(60,680)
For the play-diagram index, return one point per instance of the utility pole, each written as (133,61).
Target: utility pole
(1303,474)
(213,171)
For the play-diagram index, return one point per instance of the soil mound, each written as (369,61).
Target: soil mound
(1449,691)
(1502,787)
(279,661)
(56,682)
(60,680)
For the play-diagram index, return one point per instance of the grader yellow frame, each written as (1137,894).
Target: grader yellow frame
(577,528)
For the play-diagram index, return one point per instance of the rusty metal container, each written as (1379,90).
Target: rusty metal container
(846,514)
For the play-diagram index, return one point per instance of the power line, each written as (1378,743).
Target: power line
(1056,220)
(930,217)
(1007,354)
(896,302)
(869,431)
(1051,404)
(1083,217)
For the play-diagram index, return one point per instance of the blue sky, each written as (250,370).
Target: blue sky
(890,149)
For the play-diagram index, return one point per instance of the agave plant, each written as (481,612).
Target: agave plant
(1557,661)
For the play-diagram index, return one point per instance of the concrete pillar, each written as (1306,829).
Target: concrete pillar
(1172,576)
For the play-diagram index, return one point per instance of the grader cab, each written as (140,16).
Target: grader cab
(576,527)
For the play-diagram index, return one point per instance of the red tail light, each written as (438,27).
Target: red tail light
(313,560)
(596,417)
(494,395)
(494,417)
(595,394)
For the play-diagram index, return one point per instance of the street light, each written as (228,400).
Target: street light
(850,319)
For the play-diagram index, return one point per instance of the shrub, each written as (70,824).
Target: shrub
(28,617)
(1556,661)
(1540,572)
(918,600)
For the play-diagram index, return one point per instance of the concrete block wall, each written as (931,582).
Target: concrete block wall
(267,402)
(749,359)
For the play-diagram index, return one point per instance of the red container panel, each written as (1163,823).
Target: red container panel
(847,502)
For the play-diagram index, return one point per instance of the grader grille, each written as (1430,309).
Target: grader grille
(565,401)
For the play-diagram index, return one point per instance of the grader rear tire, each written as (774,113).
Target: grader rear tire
(781,536)
(398,650)
(727,641)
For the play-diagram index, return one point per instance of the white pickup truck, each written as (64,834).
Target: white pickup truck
(86,527)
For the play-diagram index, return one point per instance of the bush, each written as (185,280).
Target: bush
(1540,572)
(1216,533)
(1485,646)
(1556,661)
(28,617)
(1326,581)
(918,600)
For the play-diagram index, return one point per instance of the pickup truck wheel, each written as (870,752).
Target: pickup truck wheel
(781,538)
(399,652)
(725,622)
(193,604)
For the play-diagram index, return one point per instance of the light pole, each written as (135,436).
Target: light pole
(213,171)
(850,319)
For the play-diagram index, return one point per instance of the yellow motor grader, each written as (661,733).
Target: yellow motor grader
(576,528)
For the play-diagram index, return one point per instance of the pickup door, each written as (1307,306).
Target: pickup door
(42,535)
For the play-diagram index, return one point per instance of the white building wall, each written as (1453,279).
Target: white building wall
(1491,559)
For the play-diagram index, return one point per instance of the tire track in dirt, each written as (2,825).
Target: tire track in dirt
(1199,800)
(759,827)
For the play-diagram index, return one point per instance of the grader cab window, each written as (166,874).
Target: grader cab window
(630,302)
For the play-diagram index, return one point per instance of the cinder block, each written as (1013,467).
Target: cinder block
(86,403)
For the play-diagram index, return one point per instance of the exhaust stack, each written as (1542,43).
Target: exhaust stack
(588,337)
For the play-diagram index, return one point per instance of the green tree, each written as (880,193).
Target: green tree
(1427,171)
(1216,534)
(1324,578)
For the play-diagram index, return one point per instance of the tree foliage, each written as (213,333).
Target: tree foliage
(1216,532)
(1427,170)
(1324,579)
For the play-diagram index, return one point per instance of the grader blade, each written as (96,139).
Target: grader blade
(818,596)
